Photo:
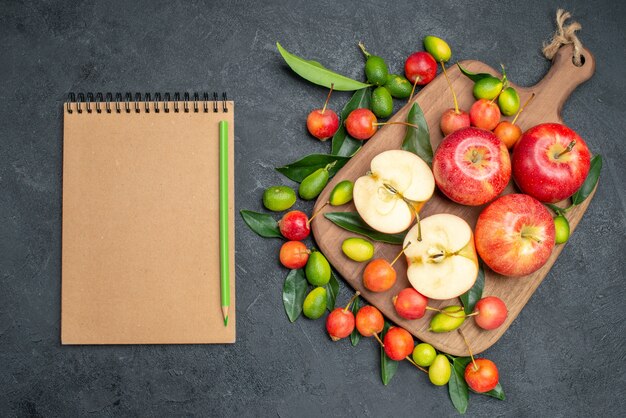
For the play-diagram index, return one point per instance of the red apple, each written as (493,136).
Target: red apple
(481,375)
(322,123)
(485,114)
(410,304)
(451,121)
(471,166)
(339,323)
(550,162)
(515,235)
(491,312)
(398,343)
(420,66)
(361,124)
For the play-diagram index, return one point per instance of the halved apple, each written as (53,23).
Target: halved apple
(389,196)
(444,264)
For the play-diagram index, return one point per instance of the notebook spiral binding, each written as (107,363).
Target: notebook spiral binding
(90,102)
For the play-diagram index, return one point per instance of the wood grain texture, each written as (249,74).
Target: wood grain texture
(551,93)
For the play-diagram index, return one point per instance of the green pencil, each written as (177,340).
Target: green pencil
(224,247)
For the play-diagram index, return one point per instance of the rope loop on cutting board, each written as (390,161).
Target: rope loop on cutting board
(564,35)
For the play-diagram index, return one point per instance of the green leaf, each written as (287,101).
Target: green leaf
(342,143)
(294,292)
(469,298)
(590,182)
(355,337)
(332,289)
(297,171)
(388,367)
(351,221)
(317,74)
(261,223)
(556,209)
(457,387)
(473,76)
(496,392)
(418,140)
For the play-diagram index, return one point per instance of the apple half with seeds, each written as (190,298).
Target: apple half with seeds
(390,195)
(442,264)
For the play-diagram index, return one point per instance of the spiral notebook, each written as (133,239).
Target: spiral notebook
(140,251)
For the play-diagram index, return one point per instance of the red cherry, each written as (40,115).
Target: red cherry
(420,66)
(452,121)
(481,375)
(485,114)
(410,304)
(294,225)
(491,312)
(322,124)
(361,124)
(369,321)
(293,255)
(340,323)
(398,343)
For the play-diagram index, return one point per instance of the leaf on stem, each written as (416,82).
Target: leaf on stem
(457,387)
(355,337)
(590,182)
(469,298)
(294,292)
(418,140)
(473,76)
(299,170)
(332,289)
(318,74)
(261,223)
(351,221)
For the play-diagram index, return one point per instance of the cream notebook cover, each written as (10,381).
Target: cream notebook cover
(140,251)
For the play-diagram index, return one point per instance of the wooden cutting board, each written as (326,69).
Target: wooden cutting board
(551,93)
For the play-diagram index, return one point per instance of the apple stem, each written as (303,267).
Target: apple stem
(316,213)
(400,253)
(530,99)
(396,123)
(413,89)
(356,295)
(468,349)
(332,86)
(532,236)
(456,103)
(410,360)
(362,46)
(378,339)
(570,146)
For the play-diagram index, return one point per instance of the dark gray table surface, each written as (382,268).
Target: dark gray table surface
(563,356)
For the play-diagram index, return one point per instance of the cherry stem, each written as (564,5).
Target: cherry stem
(332,86)
(570,146)
(356,295)
(468,349)
(396,123)
(378,339)
(362,46)
(456,103)
(400,253)
(410,360)
(413,89)
(530,99)
(316,213)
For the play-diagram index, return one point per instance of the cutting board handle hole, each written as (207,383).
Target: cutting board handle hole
(582,61)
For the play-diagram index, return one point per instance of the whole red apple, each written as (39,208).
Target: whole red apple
(420,66)
(471,166)
(485,114)
(514,235)
(550,162)
(339,323)
(451,121)
(481,375)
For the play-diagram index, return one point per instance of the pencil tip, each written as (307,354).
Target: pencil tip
(226,321)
